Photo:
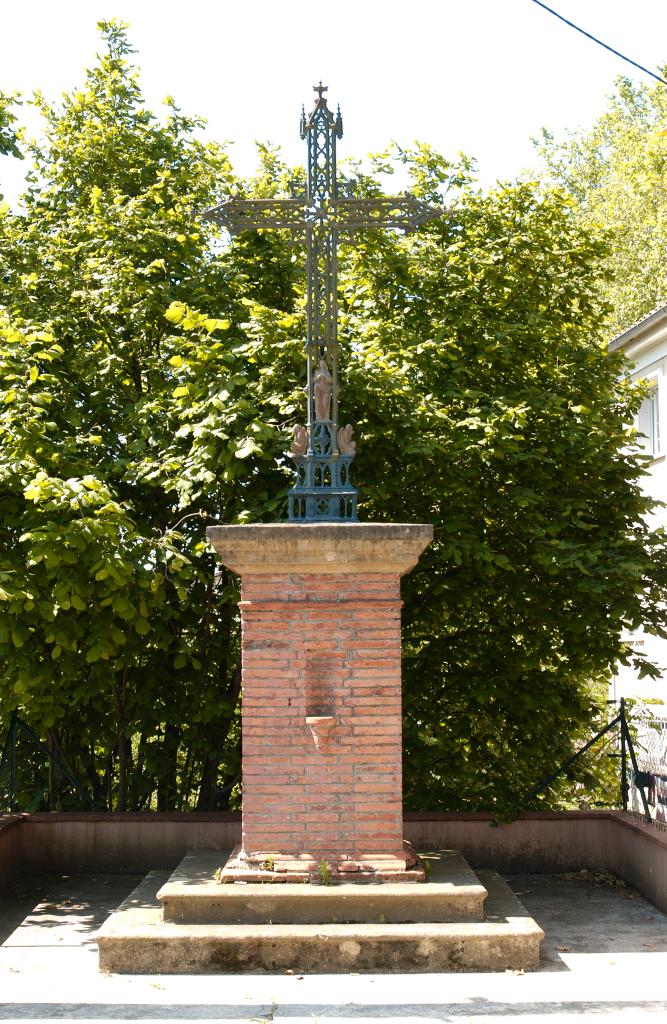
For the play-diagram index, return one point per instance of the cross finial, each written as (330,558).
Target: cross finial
(323,449)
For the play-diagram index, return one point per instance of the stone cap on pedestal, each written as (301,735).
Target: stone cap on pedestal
(320,548)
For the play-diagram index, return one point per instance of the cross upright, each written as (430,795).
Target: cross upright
(323,451)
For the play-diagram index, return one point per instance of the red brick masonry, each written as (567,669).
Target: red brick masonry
(321,613)
(322,719)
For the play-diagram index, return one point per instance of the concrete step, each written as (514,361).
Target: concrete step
(136,940)
(192,894)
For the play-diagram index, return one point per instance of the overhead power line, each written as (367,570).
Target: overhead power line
(599,42)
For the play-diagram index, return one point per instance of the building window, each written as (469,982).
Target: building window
(648,424)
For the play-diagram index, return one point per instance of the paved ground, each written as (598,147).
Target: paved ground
(604,956)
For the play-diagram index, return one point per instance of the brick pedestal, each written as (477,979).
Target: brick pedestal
(322,779)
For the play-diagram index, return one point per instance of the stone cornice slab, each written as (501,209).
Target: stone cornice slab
(330,548)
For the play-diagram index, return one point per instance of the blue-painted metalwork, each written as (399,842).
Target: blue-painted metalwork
(323,451)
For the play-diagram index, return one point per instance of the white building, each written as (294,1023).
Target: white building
(645,345)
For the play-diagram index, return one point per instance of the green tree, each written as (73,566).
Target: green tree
(617,173)
(149,377)
(9,142)
(115,636)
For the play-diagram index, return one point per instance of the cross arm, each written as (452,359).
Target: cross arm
(238,215)
(404,212)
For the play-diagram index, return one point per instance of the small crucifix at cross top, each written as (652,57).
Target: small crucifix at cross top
(323,451)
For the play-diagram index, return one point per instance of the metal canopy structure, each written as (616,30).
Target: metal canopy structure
(323,451)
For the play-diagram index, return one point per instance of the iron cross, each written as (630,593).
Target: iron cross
(323,451)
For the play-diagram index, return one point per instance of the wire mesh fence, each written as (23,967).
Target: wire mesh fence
(35,778)
(651,776)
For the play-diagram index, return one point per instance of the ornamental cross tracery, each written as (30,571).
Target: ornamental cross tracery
(323,451)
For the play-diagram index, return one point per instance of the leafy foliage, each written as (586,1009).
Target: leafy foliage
(508,424)
(148,379)
(617,173)
(9,141)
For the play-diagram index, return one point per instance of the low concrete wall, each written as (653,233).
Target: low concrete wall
(540,842)
(121,843)
(640,857)
(535,842)
(595,840)
(10,846)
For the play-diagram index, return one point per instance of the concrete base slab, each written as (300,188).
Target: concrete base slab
(193,894)
(603,958)
(136,940)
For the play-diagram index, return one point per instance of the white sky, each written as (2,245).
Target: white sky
(480,76)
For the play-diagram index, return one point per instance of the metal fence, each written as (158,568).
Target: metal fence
(651,773)
(35,778)
(634,779)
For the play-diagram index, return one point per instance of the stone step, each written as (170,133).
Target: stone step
(135,940)
(192,894)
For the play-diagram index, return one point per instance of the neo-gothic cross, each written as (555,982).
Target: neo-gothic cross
(323,451)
